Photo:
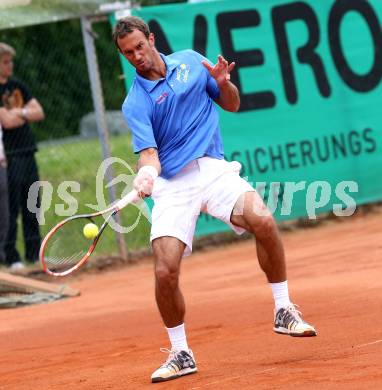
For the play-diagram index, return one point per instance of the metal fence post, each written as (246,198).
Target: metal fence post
(99,107)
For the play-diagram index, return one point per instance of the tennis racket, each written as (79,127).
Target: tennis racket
(65,248)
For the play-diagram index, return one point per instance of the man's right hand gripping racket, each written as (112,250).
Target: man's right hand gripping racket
(65,248)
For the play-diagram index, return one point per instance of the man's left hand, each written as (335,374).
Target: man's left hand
(220,71)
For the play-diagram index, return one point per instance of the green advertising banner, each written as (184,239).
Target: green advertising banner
(309,130)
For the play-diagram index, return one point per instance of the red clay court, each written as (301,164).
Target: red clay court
(109,337)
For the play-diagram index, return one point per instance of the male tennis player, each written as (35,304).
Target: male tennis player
(175,124)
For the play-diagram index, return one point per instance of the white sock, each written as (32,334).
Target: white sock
(178,338)
(280,294)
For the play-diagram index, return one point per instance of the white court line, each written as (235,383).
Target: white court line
(232,378)
(365,345)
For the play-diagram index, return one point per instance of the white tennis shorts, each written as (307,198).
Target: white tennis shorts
(206,184)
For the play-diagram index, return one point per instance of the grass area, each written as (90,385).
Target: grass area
(78,161)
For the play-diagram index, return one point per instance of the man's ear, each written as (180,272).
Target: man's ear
(152,40)
(118,48)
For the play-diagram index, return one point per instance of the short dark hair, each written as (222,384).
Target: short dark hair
(128,25)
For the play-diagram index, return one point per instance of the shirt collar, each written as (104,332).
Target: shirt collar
(149,85)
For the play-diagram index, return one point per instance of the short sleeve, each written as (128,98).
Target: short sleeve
(211,87)
(137,111)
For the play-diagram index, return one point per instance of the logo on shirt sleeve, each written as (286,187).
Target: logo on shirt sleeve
(182,72)
(13,99)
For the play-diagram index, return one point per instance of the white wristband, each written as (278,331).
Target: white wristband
(24,113)
(152,171)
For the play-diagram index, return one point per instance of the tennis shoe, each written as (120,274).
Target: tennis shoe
(16,266)
(178,363)
(288,321)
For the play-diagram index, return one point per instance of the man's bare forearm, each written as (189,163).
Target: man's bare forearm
(149,157)
(32,112)
(229,98)
(10,118)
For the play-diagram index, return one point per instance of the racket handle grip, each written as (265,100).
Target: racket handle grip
(131,197)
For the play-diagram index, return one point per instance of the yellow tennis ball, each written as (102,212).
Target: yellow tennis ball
(90,231)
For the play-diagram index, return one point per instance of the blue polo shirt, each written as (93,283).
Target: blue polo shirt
(176,114)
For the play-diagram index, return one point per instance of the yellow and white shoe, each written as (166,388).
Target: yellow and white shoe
(178,363)
(288,321)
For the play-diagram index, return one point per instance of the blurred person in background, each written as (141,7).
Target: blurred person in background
(3,198)
(17,108)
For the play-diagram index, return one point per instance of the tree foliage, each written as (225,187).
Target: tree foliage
(51,61)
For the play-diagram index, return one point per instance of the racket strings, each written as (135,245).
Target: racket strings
(73,259)
(68,246)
